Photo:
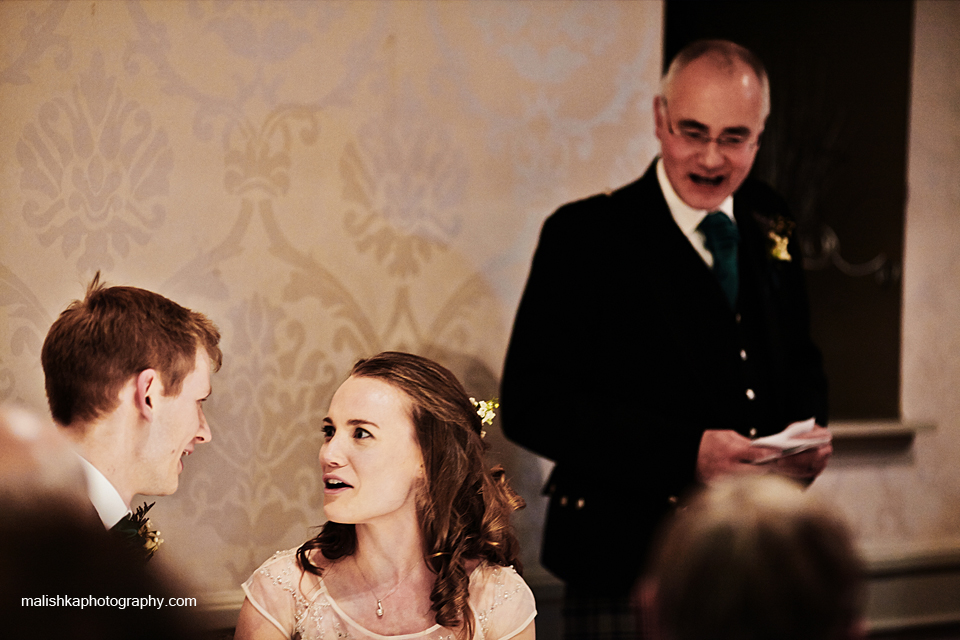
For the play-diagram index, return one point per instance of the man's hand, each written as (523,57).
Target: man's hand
(724,452)
(808,464)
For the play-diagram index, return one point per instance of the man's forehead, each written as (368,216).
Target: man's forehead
(717,100)
(200,373)
(718,66)
(706,70)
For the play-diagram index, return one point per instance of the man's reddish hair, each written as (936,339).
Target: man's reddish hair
(98,343)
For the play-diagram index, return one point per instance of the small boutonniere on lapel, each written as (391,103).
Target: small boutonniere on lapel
(136,531)
(778,232)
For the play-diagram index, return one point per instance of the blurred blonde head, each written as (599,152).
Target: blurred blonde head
(53,543)
(36,461)
(754,558)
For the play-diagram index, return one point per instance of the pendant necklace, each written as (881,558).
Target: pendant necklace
(387,595)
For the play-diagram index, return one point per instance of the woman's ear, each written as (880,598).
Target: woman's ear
(147,389)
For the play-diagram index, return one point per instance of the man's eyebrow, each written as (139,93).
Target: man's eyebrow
(736,131)
(692,124)
(699,126)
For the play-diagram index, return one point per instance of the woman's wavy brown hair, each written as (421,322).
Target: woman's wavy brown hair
(463,508)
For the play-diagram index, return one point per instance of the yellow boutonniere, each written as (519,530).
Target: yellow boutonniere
(779,234)
(136,531)
(779,249)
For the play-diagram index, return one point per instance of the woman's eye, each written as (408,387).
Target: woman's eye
(328,431)
(360,433)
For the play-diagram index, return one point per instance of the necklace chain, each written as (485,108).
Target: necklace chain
(388,594)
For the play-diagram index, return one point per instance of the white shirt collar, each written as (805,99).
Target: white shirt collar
(686,216)
(104,496)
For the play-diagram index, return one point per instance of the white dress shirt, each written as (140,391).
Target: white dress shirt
(104,496)
(688,218)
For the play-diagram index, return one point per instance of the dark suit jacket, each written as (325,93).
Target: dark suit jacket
(624,350)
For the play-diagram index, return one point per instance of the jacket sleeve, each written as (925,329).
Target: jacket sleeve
(573,390)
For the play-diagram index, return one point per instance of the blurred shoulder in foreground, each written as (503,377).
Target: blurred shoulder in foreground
(60,572)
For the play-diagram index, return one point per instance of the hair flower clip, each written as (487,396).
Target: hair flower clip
(486,409)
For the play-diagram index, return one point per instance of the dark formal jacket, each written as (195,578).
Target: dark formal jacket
(625,349)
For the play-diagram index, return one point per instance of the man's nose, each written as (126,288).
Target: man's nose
(204,434)
(711,156)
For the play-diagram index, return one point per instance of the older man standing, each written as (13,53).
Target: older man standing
(127,372)
(669,321)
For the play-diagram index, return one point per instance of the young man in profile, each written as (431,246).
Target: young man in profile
(127,372)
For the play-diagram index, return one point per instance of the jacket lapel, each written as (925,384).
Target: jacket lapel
(676,283)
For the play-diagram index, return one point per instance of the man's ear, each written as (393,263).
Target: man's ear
(148,388)
(659,125)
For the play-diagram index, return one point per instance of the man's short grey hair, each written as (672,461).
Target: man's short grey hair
(725,54)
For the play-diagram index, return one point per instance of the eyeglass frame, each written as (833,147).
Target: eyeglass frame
(698,140)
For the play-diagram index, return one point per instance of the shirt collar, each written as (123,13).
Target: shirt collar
(105,498)
(688,218)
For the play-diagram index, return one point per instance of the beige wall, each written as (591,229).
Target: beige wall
(327,180)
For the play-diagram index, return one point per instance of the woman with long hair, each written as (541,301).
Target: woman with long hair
(418,543)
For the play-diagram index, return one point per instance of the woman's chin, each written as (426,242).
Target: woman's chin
(339,516)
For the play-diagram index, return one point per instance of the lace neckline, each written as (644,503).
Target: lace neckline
(343,614)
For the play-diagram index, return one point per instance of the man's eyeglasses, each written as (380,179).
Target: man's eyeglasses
(697,138)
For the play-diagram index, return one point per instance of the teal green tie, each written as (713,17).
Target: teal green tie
(721,239)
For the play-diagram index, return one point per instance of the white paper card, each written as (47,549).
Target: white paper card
(787,443)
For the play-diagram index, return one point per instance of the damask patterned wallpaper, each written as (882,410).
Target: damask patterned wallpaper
(325,180)
(330,179)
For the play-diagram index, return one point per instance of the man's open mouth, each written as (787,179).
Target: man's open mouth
(709,181)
